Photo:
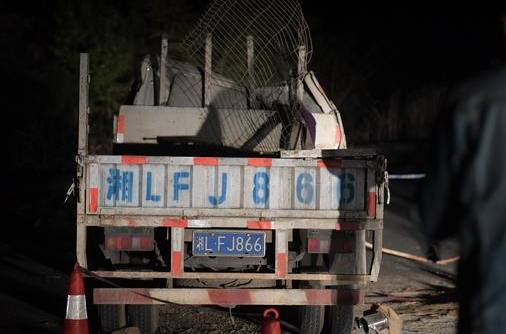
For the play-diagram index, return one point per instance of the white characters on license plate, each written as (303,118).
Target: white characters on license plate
(228,243)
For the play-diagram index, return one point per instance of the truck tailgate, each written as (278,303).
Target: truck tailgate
(232,187)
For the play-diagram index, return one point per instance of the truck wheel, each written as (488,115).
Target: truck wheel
(311,319)
(144,317)
(341,317)
(111,317)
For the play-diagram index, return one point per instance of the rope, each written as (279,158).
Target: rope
(413,257)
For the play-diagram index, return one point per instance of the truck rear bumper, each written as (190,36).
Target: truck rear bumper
(229,296)
(331,278)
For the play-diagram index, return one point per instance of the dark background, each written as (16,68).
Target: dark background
(387,68)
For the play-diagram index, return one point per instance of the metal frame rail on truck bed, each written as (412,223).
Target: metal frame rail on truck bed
(302,217)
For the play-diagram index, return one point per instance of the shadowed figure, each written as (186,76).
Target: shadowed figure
(465,195)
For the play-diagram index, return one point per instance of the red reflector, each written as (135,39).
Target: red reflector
(318,246)
(110,243)
(129,243)
(121,124)
(123,242)
(313,245)
(147,243)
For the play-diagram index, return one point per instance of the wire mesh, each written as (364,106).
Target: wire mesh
(246,57)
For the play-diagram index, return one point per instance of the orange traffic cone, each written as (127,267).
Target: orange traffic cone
(76,320)
(270,325)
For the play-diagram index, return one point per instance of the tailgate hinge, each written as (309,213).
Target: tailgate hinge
(79,172)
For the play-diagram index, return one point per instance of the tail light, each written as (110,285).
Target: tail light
(318,246)
(129,238)
(318,241)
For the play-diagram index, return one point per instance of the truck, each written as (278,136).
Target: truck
(181,215)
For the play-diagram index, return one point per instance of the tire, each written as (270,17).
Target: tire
(341,319)
(111,317)
(311,319)
(144,317)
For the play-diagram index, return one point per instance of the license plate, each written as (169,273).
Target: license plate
(228,243)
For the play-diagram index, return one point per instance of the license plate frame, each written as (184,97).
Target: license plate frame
(209,245)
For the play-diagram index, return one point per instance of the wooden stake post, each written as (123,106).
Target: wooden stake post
(82,152)
(163,95)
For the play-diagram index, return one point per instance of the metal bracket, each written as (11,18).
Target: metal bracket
(381,169)
(382,175)
(387,188)
(80,165)
(79,174)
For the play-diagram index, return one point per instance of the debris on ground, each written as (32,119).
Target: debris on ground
(180,319)
(128,330)
(380,318)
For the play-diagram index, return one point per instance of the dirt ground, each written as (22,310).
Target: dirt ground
(196,320)
(422,295)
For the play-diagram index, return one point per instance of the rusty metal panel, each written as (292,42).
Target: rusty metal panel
(229,187)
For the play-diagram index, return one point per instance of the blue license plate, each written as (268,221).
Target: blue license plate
(228,243)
